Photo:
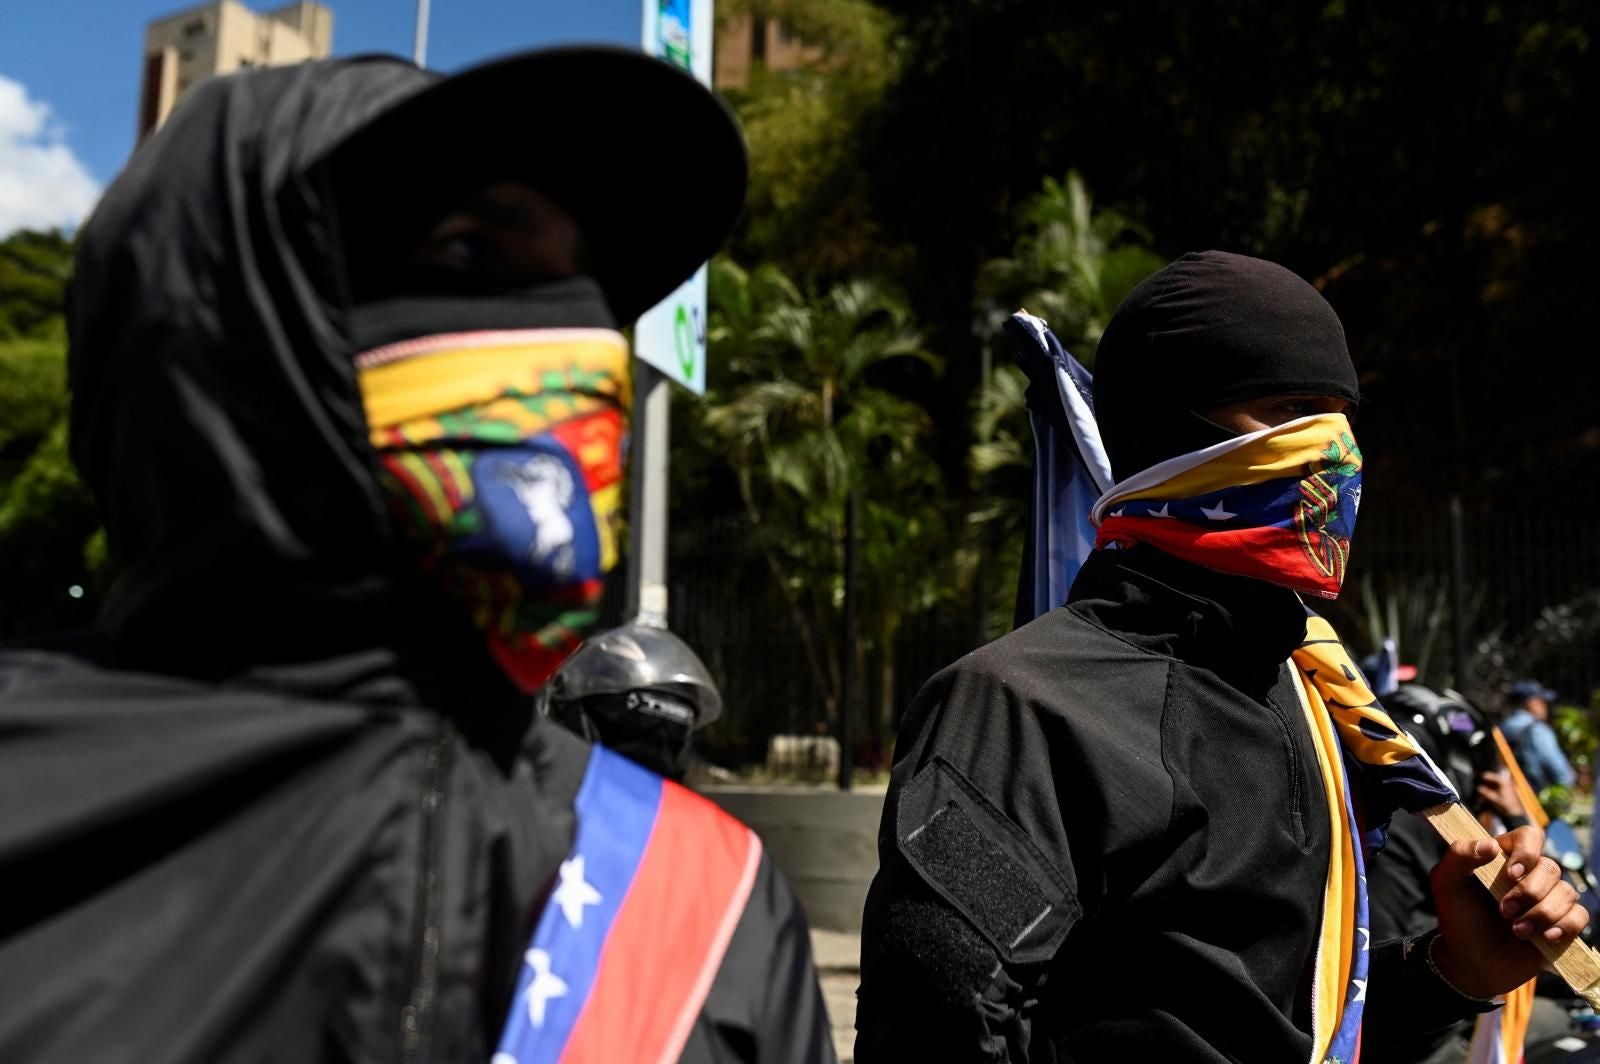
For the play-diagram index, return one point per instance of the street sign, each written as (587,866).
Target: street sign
(671,336)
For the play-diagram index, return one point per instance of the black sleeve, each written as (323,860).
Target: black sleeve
(1408,1005)
(932,988)
(980,878)
(765,1006)
(1397,879)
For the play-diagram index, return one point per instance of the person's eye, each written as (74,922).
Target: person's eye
(1296,407)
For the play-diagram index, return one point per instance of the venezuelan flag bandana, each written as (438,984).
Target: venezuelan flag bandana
(501,452)
(1277,505)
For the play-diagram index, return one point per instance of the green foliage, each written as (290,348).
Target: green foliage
(47,518)
(796,415)
(1578,729)
(1415,611)
(1072,265)
(34,268)
(808,206)
(33,398)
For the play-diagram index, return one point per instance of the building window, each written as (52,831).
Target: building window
(194,28)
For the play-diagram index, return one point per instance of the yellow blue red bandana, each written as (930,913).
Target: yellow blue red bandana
(1277,505)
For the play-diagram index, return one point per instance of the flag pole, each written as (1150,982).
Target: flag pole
(419,48)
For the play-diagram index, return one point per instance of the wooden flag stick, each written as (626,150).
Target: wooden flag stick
(1572,958)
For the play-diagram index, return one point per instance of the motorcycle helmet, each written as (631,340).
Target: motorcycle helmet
(639,690)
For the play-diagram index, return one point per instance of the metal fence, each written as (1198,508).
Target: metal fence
(1519,571)
(1532,584)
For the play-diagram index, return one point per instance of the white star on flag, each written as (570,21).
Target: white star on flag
(544,986)
(1219,514)
(503,1058)
(1366,937)
(574,892)
(1361,989)
(1161,512)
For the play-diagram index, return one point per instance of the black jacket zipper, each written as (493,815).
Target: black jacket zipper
(416,1019)
(1297,809)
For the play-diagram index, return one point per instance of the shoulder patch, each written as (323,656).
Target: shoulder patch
(984,865)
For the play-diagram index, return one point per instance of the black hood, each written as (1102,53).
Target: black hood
(215,412)
(1210,329)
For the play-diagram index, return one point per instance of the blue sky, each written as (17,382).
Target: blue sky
(78,64)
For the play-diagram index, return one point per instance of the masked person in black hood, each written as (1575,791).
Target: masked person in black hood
(1115,833)
(348,389)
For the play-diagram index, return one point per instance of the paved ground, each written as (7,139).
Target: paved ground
(838,963)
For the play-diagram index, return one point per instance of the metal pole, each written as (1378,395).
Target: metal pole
(647,513)
(419,47)
(847,681)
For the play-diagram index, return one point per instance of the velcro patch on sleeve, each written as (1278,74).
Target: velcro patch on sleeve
(984,865)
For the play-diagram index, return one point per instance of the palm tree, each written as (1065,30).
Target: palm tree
(803,427)
(1072,265)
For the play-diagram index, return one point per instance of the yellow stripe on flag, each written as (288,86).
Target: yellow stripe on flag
(1334,946)
(1285,453)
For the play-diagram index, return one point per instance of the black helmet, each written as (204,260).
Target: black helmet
(639,690)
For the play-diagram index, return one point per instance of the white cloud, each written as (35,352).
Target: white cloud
(42,183)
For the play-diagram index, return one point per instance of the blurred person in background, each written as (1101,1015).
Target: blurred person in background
(1527,728)
(348,388)
(640,691)
(1461,741)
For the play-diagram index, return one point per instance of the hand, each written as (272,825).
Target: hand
(1483,950)
(1497,792)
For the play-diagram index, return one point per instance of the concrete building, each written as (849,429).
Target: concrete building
(744,41)
(219,38)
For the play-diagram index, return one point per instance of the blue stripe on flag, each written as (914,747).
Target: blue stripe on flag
(616,809)
(1070,469)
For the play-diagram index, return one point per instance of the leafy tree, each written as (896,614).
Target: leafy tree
(1072,265)
(1423,162)
(798,418)
(34,267)
(47,519)
(809,208)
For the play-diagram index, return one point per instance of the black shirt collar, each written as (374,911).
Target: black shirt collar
(1239,628)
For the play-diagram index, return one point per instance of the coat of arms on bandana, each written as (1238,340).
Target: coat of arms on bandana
(1323,524)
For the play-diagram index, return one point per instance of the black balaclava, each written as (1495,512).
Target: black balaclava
(1210,329)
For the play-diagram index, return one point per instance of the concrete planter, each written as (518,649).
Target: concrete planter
(824,840)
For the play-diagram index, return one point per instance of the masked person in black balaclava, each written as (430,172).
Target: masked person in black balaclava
(1109,834)
(348,387)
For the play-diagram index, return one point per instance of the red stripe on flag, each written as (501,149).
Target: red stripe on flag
(1265,552)
(669,936)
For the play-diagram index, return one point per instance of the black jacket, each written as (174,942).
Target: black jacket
(1106,838)
(280,806)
